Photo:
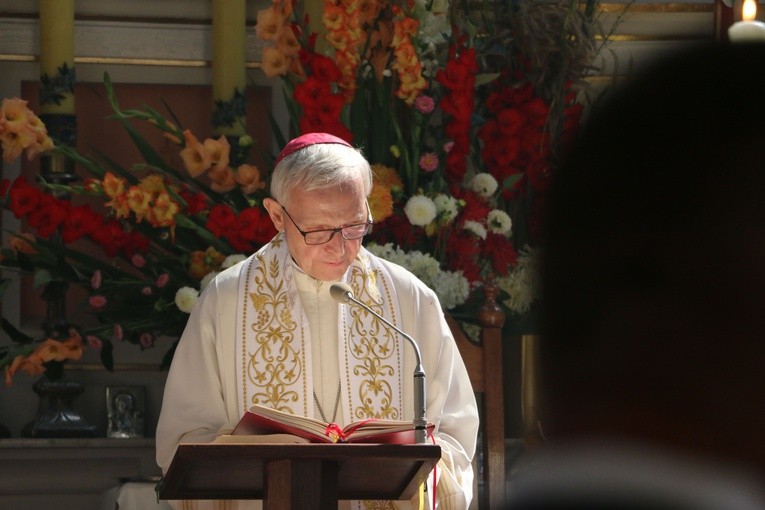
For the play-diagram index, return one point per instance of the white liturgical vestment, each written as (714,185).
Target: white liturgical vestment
(211,381)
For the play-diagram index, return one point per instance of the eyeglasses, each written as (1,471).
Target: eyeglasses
(323,236)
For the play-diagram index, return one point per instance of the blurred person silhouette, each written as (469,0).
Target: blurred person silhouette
(652,345)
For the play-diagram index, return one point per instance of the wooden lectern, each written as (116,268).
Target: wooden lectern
(298,476)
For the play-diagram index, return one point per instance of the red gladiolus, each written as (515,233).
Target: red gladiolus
(49,214)
(110,237)
(80,221)
(194,202)
(135,242)
(220,220)
(24,197)
(311,92)
(324,68)
(255,226)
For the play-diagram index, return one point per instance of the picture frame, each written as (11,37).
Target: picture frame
(125,411)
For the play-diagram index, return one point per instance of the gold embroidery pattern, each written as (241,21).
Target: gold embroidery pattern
(379,505)
(275,363)
(373,348)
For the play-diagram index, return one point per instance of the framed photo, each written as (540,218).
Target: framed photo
(126,409)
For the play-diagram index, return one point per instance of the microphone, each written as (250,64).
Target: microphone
(342,293)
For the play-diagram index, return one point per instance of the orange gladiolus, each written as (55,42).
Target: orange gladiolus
(219,152)
(112,185)
(248,178)
(195,158)
(222,180)
(162,214)
(275,63)
(139,202)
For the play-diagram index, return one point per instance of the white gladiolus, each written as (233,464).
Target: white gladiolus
(499,222)
(420,210)
(185,298)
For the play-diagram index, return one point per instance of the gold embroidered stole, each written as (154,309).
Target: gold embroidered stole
(274,340)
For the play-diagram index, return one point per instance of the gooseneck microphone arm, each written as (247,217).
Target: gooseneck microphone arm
(343,293)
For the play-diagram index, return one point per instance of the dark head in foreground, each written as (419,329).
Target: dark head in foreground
(654,270)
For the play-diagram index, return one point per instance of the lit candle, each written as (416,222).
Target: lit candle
(229,74)
(57,48)
(747,30)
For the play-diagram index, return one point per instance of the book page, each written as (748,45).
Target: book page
(260,439)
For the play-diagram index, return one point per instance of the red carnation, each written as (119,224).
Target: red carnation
(500,251)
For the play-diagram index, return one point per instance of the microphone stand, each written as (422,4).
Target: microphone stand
(343,293)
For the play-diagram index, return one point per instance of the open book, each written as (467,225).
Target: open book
(264,420)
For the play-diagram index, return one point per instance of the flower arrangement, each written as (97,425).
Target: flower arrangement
(160,234)
(463,111)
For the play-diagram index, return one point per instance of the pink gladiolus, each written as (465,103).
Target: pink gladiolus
(146,340)
(162,280)
(97,301)
(117,332)
(146,291)
(138,260)
(94,342)
(95,280)
(448,146)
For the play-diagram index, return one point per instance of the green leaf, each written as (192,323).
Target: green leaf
(16,335)
(482,79)
(168,357)
(107,355)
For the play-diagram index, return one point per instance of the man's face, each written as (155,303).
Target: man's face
(322,209)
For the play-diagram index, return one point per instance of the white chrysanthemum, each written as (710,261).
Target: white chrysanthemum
(499,222)
(434,22)
(420,210)
(232,260)
(207,279)
(451,287)
(476,228)
(522,284)
(447,206)
(185,298)
(484,184)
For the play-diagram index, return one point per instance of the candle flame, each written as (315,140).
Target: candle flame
(749,10)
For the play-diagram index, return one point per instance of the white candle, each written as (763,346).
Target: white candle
(747,30)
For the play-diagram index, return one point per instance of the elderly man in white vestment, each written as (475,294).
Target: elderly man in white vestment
(267,330)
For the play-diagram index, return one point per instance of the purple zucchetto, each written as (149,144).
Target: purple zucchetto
(307,139)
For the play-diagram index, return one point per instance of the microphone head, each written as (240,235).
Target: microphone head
(341,292)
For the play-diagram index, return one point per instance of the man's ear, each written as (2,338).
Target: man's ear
(276,213)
